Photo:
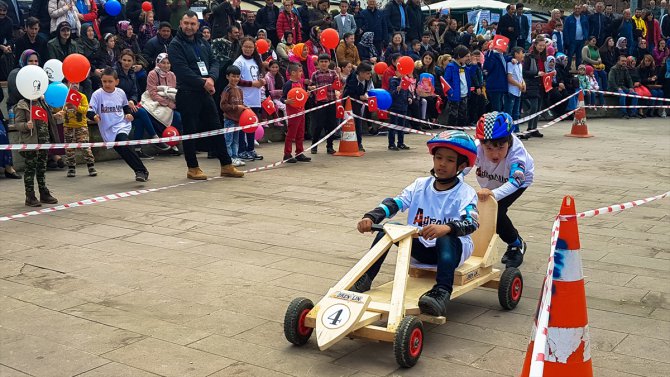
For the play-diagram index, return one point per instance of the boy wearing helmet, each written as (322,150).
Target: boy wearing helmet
(444,208)
(504,171)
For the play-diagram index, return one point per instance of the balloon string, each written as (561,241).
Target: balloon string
(31,116)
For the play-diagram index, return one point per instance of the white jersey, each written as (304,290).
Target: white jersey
(109,106)
(249,72)
(428,206)
(508,175)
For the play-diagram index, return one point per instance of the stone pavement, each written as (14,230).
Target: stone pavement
(194,281)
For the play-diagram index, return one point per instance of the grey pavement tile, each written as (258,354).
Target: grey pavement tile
(614,292)
(662,314)
(6,371)
(649,283)
(375,358)
(493,336)
(644,348)
(47,299)
(456,350)
(233,269)
(247,370)
(113,369)
(225,322)
(427,367)
(501,360)
(629,364)
(9,267)
(631,324)
(168,359)
(161,240)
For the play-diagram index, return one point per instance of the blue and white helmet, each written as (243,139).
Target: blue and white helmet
(458,141)
(494,125)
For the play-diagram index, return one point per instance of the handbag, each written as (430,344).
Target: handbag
(642,91)
(161,113)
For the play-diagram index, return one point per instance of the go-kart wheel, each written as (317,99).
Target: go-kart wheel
(408,342)
(295,330)
(510,288)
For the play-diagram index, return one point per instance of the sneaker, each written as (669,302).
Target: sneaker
(330,150)
(524,137)
(289,159)
(514,255)
(303,158)
(363,284)
(314,150)
(255,155)
(142,155)
(60,163)
(403,147)
(537,133)
(626,116)
(162,146)
(360,148)
(91,171)
(71,172)
(434,302)
(393,148)
(142,176)
(245,156)
(174,151)
(664,114)
(237,162)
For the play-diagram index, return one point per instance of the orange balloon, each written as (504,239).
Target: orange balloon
(299,97)
(262,46)
(247,118)
(330,38)
(405,65)
(76,68)
(380,68)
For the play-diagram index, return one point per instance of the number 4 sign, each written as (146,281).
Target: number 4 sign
(341,311)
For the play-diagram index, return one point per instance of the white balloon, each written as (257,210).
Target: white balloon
(32,82)
(54,69)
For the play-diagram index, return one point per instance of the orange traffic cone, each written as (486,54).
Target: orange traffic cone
(579,127)
(567,351)
(348,141)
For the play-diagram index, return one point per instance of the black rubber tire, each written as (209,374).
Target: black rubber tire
(294,330)
(510,288)
(408,343)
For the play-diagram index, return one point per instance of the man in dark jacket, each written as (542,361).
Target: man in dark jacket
(32,40)
(304,12)
(14,13)
(224,13)
(266,18)
(524,26)
(157,44)
(375,21)
(320,16)
(415,20)
(599,24)
(196,69)
(575,32)
(508,26)
(396,14)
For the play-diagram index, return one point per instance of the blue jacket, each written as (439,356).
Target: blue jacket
(570,29)
(453,77)
(399,104)
(375,22)
(559,40)
(495,72)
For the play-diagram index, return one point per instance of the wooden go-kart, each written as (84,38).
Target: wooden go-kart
(390,312)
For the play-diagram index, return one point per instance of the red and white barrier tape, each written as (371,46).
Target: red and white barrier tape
(126,194)
(27,147)
(627,107)
(631,95)
(531,116)
(542,325)
(395,127)
(549,124)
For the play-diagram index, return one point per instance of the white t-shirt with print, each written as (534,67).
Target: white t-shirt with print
(249,72)
(109,106)
(517,168)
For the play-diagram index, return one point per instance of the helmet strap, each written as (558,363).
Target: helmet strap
(444,181)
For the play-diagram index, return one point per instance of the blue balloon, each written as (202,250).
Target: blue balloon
(113,8)
(384,99)
(56,94)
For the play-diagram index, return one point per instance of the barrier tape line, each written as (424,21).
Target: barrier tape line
(126,194)
(538,356)
(531,116)
(627,107)
(110,144)
(631,95)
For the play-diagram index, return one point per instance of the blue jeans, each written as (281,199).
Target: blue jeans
(398,121)
(446,254)
(497,100)
(176,121)
(513,106)
(142,124)
(575,49)
(5,156)
(232,138)
(622,102)
(601,78)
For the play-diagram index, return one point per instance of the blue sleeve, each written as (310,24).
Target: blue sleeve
(468,223)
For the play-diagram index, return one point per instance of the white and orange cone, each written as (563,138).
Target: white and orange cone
(579,127)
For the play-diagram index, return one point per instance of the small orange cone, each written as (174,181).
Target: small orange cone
(579,127)
(567,350)
(348,142)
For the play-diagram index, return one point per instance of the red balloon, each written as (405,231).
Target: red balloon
(76,68)
(247,118)
(330,38)
(380,68)
(146,6)
(405,65)
(262,46)
(169,132)
(299,97)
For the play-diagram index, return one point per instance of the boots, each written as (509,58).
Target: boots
(196,174)
(71,172)
(31,199)
(46,198)
(91,170)
(230,171)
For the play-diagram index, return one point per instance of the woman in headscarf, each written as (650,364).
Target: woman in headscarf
(206,32)
(159,99)
(270,53)
(366,47)
(298,55)
(622,46)
(313,45)
(89,43)
(283,49)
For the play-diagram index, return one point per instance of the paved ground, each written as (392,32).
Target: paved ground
(194,281)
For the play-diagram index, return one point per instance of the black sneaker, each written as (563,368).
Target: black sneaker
(142,176)
(626,116)
(303,158)
(142,155)
(91,171)
(514,255)
(403,147)
(537,133)
(60,163)
(360,148)
(361,285)
(255,155)
(435,301)
(393,148)
(330,150)
(71,172)
(163,146)
(314,150)
(524,137)
(289,159)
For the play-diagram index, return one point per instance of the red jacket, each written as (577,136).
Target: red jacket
(288,21)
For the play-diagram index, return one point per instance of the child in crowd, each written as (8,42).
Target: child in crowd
(557,37)
(456,76)
(401,100)
(109,107)
(296,125)
(516,85)
(415,50)
(75,130)
(35,131)
(149,28)
(596,98)
(357,86)
(274,83)
(444,207)
(504,171)
(232,105)
(477,97)
(324,119)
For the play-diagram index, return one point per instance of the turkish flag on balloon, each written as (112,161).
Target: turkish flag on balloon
(547,81)
(500,43)
(269,106)
(73,97)
(39,113)
(372,104)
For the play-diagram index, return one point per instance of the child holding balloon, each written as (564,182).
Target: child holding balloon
(401,100)
(296,125)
